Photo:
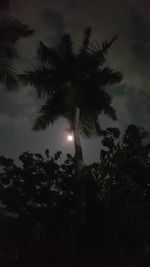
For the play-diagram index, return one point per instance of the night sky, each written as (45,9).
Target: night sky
(130,54)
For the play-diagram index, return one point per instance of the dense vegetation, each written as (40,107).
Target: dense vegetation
(49,217)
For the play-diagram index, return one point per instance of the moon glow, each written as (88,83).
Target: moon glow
(70,138)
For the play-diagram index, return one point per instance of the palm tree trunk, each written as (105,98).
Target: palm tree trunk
(77,142)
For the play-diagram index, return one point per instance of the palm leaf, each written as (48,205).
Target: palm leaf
(48,55)
(106,45)
(86,40)
(11,30)
(108,76)
(8,75)
(47,114)
(98,51)
(57,105)
(110,111)
(65,47)
(41,122)
(90,127)
(39,78)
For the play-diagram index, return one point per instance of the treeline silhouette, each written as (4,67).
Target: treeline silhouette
(50,218)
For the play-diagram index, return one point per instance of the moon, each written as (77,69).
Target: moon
(70,138)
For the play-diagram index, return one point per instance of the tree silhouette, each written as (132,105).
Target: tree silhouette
(120,184)
(38,196)
(73,86)
(125,163)
(41,219)
(11,31)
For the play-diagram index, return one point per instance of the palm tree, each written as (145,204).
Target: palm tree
(11,30)
(73,86)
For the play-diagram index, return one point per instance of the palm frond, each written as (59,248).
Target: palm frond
(106,45)
(47,114)
(98,51)
(65,47)
(48,55)
(41,122)
(108,76)
(11,30)
(103,102)
(57,105)
(8,75)
(97,101)
(90,127)
(98,129)
(110,111)
(39,78)
(86,40)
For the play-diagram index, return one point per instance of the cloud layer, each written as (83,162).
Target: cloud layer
(130,54)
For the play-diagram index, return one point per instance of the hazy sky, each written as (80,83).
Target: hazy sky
(130,54)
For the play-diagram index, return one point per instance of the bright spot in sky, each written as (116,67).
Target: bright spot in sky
(70,138)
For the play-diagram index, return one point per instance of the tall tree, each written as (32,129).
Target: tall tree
(72,83)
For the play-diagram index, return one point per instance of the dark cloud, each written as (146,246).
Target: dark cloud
(4,5)
(140,33)
(12,105)
(54,24)
(130,54)
(138,104)
(117,90)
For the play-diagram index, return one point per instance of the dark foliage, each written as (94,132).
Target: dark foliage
(50,218)
(11,31)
